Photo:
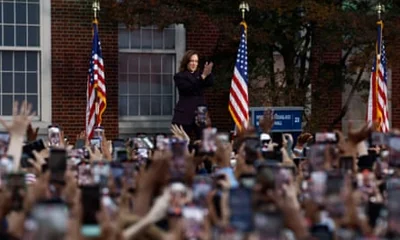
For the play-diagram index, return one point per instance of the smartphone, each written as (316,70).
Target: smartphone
(91,205)
(100,172)
(118,143)
(53,135)
(277,138)
(16,185)
(24,161)
(378,139)
(202,186)
(4,142)
(98,132)
(117,172)
(193,222)
(394,153)
(178,192)
(178,163)
(160,141)
(325,138)
(318,186)
(201,116)
(95,143)
(85,174)
(223,138)
(120,154)
(37,145)
(241,206)
(317,156)
(57,164)
(208,142)
(50,220)
(247,180)
(129,175)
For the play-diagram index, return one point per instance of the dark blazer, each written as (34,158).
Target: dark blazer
(191,95)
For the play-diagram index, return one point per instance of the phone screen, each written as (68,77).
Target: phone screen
(317,156)
(50,220)
(178,164)
(318,186)
(54,136)
(100,173)
(240,203)
(95,143)
(91,205)
(208,141)
(327,137)
(117,172)
(268,223)
(193,222)
(161,141)
(57,163)
(201,115)
(201,187)
(394,153)
(120,154)
(129,174)
(4,141)
(85,175)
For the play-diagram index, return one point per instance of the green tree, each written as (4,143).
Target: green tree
(280,29)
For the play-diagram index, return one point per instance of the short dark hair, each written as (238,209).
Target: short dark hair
(186,59)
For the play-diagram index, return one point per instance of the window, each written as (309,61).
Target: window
(22,27)
(147,63)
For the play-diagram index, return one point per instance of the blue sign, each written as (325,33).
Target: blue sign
(287,119)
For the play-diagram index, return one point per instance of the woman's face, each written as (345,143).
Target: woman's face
(193,63)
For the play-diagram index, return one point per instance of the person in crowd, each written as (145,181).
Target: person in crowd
(191,83)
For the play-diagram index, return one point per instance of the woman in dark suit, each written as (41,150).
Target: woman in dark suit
(191,84)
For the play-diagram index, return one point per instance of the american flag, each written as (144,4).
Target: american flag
(238,98)
(96,88)
(378,92)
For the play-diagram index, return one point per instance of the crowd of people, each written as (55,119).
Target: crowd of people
(252,185)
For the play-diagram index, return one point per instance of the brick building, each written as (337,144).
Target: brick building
(45,49)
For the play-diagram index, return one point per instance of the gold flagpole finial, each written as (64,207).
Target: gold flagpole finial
(96,8)
(244,7)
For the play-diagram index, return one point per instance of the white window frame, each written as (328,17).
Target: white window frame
(131,124)
(44,90)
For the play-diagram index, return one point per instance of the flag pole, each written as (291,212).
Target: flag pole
(96,9)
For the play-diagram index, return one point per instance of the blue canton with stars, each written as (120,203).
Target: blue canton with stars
(241,61)
(96,50)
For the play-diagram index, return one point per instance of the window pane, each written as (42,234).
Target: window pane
(123,38)
(133,106)
(32,61)
(7,60)
(33,99)
(1,33)
(145,63)
(8,35)
(20,9)
(156,63)
(19,61)
(168,63)
(146,38)
(123,84)
(133,63)
(7,82)
(1,13)
(33,36)
(123,105)
(167,86)
(135,39)
(123,63)
(31,83)
(157,39)
(7,102)
(144,105)
(167,105)
(19,98)
(33,13)
(19,82)
(21,35)
(169,40)
(155,84)
(133,84)
(8,12)
(156,105)
(144,84)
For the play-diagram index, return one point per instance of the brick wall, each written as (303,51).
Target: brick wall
(326,97)
(204,42)
(71,47)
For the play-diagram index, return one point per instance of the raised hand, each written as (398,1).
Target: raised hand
(31,134)
(21,119)
(207,69)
